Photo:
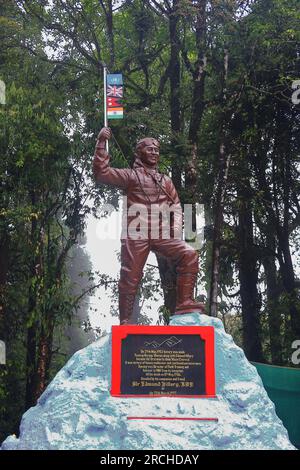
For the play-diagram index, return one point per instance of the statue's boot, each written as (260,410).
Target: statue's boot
(185,302)
(126,302)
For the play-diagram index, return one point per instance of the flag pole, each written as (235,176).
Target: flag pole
(105,103)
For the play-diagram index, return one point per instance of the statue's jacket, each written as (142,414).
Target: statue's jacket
(148,192)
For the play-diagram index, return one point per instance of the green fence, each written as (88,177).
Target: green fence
(283,387)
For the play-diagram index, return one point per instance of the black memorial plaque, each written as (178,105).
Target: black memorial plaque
(163,364)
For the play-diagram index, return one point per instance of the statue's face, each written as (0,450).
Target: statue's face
(149,153)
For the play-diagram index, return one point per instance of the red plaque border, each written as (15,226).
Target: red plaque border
(205,332)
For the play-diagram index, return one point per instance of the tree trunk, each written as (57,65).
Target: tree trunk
(4,269)
(175,108)
(136,311)
(273,291)
(168,281)
(32,332)
(197,108)
(282,174)
(44,360)
(223,167)
(224,162)
(110,34)
(273,288)
(166,268)
(248,277)
(288,280)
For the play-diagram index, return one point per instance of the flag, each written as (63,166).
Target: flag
(113,90)
(114,79)
(115,113)
(114,93)
(113,102)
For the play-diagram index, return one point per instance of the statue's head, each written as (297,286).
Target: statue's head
(147,150)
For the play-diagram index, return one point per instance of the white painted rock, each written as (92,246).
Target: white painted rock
(76,410)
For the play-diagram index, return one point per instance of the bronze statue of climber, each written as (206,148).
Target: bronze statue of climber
(148,192)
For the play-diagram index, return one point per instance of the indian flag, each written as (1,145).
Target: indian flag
(114,113)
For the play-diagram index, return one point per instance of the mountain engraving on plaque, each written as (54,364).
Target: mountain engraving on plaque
(171,342)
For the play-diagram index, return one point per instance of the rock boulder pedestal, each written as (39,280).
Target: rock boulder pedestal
(76,411)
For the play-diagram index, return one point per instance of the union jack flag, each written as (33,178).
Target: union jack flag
(113,90)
